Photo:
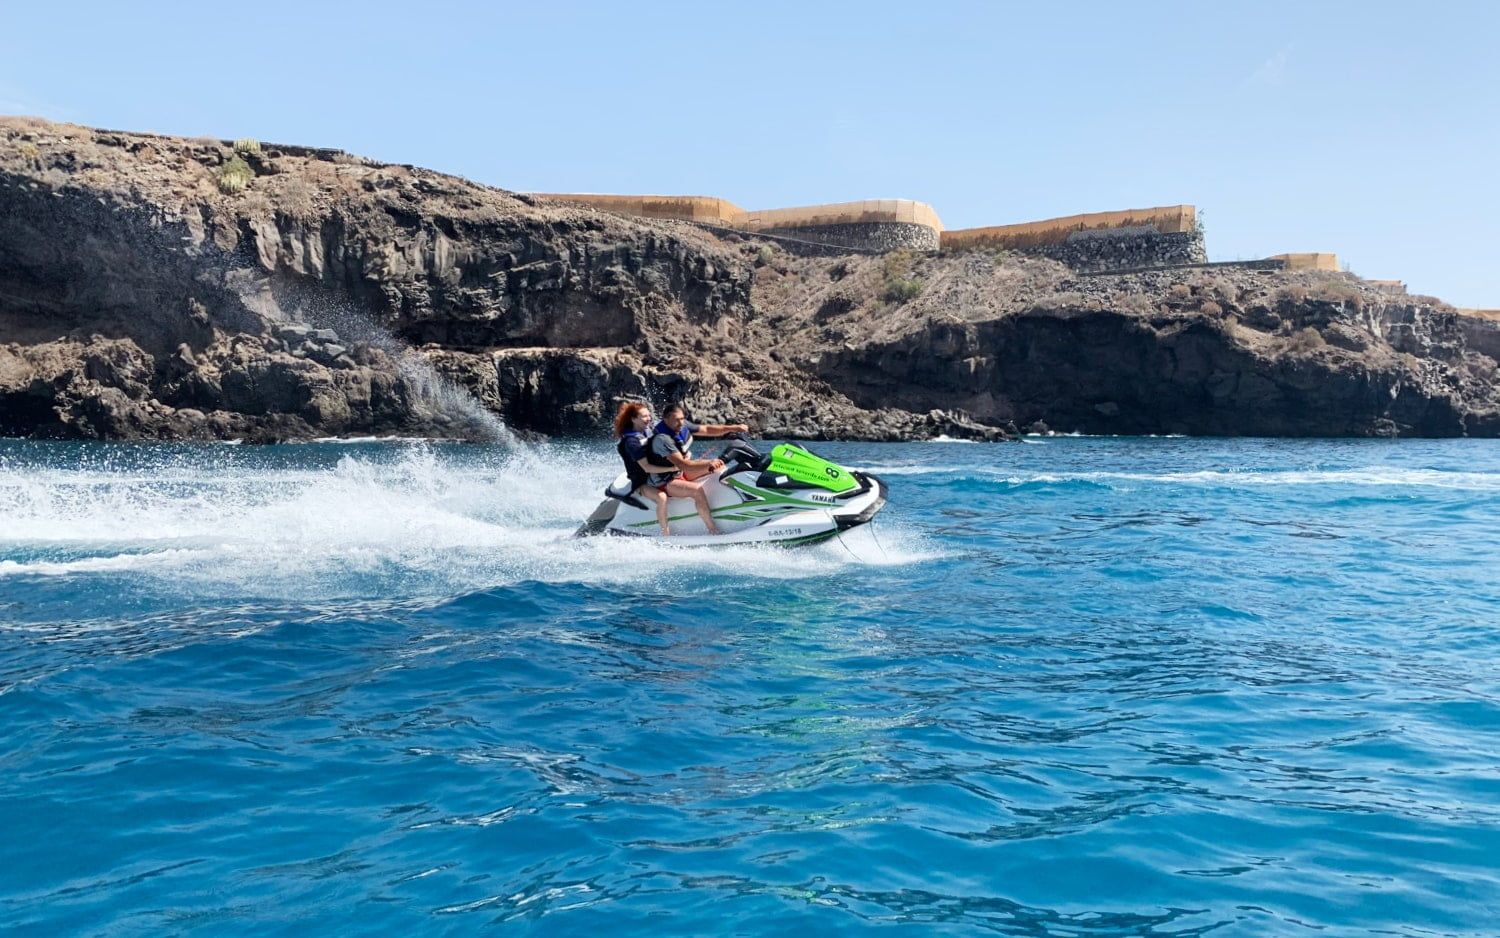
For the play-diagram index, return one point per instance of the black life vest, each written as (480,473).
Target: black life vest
(683,443)
(638,476)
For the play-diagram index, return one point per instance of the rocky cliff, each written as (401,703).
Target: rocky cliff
(1199,351)
(157,287)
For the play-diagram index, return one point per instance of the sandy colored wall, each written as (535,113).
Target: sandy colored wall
(1316,261)
(705,208)
(842,213)
(1491,314)
(711,209)
(1166,219)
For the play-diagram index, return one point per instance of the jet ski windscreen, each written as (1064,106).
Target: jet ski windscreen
(807,467)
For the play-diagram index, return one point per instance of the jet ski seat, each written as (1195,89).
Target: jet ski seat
(739,453)
(622,490)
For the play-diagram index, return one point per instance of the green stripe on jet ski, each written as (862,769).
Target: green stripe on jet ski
(772,497)
(733,513)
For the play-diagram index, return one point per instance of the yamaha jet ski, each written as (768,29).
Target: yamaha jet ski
(791,497)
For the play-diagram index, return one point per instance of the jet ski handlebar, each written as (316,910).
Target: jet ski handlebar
(739,451)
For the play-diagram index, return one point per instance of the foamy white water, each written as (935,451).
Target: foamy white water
(422,520)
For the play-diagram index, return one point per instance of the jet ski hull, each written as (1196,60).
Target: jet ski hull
(748,505)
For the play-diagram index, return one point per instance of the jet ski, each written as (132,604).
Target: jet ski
(790,497)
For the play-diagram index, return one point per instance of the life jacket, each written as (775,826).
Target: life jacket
(638,476)
(682,438)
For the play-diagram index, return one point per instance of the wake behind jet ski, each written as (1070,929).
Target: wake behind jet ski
(790,497)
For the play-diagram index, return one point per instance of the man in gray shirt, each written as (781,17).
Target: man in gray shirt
(670,442)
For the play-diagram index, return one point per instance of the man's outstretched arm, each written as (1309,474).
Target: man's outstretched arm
(720,429)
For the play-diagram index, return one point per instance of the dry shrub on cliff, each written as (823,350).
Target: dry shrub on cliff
(899,285)
(1132,302)
(1293,294)
(897,264)
(235,175)
(247,146)
(296,197)
(1210,308)
(899,291)
(1345,294)
(1221,290)
(1422,299)
(1305,340)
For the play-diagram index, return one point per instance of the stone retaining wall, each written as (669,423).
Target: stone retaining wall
(1167,219)
(1100,241)
(867,236)
(871,225)
(1105,250)
(703,208)
(867,211)
(792,245)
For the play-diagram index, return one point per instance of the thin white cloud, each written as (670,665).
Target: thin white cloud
(1272,72)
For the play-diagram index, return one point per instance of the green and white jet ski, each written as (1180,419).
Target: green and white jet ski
(791,497)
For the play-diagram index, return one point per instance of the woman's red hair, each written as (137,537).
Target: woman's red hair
(627,413)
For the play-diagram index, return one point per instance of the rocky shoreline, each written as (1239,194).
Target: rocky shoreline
(163,288)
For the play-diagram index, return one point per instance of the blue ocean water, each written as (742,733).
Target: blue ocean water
(1075,687)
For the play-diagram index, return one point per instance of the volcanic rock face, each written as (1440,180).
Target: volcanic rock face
(144,293)
(1481,334)
(282,310)
(1221,351)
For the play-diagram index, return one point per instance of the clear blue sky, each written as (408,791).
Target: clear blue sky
(1367,129)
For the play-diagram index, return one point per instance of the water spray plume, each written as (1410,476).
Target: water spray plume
(289,303)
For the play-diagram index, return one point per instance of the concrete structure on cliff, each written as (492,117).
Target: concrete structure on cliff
(1163,236)
(1311,261)
(1141,237)
(870,225)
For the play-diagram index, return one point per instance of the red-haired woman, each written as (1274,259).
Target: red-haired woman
(653,475)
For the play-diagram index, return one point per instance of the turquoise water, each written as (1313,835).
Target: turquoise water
(1077,687)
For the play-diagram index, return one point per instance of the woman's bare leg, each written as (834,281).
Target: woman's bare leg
(681,488)
(660,496)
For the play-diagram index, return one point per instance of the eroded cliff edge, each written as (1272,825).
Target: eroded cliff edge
(142,297)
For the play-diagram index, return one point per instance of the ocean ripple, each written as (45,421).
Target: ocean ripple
(1093,687)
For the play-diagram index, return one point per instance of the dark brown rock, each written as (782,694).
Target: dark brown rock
(138,300)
